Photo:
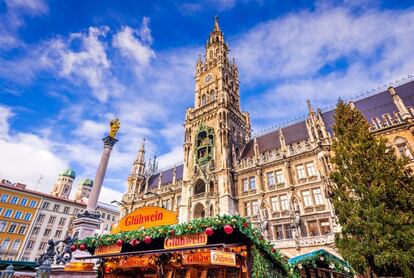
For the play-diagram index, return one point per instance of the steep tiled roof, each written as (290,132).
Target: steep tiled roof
(167,176)
(292,133)
(374,106)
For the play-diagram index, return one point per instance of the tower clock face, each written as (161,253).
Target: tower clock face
(208,78)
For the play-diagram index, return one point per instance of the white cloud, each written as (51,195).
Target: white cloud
(33,7)
(91,130)
(5,114)
(134,45)
(175,156)
(26,157)
(107,194)
(90,65)
(322,55)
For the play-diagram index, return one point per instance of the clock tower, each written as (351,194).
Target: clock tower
(216,131)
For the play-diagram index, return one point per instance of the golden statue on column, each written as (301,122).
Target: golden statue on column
(114,127)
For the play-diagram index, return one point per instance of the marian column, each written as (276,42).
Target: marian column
(89,221)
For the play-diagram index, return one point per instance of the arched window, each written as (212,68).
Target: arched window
(403,148)
(211,54)
(199,211)
(200,187)
(211,210)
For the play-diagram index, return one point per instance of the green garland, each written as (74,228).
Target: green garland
(312,261)
(194,226)
(262,267)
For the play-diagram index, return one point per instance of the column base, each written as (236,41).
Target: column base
(86,224)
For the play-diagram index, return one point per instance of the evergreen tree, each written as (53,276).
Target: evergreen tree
(373,198)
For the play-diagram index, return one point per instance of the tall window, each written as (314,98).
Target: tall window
(255,207)
(5,244)
(58,233)
(4,197)
(22,229)
(2,226)
(42,245)
(27,216)
(66,210)
(32,204)
(12,228)
(288,231)
(317,196)
(325,226)
(36,230)
(47,232)
(307,199)
(30,245)
(23,202)
(203,100)
(14,200)
(313,228)
(18,215)
(56,207)
(278,231)
(284,202)
(280,178)
(301,171)
(405,151)
(271,179)
(165,204)
(310,168)
(62,221)
(45,205)
(15,245)
(275,203)
(8,213)
(245,185)
(52,219)
(40,218)
(247,209)
(252,181)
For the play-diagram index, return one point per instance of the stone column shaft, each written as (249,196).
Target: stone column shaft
(109,142)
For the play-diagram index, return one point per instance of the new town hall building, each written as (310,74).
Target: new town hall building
(279,180)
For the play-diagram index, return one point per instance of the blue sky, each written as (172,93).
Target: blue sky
(68,67)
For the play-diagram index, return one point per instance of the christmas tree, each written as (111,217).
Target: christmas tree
(373,198)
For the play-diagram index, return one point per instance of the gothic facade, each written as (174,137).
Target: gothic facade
(279,180)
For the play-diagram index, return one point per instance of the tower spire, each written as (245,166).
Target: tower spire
(216,25)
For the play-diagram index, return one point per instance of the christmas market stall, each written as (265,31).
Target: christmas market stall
(222,246)
(320,264)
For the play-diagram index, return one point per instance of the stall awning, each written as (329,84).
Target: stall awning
(322,258)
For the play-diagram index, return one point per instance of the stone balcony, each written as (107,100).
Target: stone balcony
(306,241)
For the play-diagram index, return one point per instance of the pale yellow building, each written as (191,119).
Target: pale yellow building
(279,180)
(29,219)
(18,210)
